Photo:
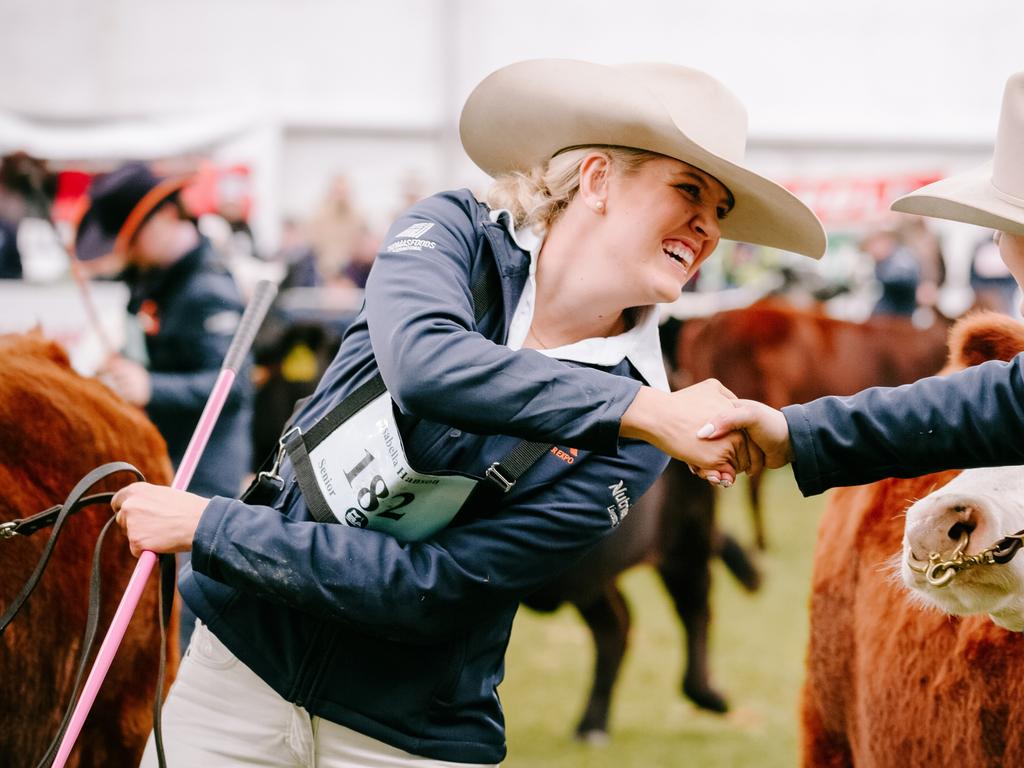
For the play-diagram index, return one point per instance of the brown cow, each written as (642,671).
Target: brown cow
(780,355)
(893,682)
(57,426)
(672,527)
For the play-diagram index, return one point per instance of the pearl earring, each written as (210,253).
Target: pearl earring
(599,206)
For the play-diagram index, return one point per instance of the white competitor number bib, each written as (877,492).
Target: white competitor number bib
(365,479)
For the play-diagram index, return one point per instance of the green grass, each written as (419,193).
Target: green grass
(757,661)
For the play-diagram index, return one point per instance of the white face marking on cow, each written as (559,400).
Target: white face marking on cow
(988,504)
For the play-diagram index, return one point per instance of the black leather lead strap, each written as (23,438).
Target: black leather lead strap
(165,599)
(88,638)
(26,526)
(70,505)
(57,516)
(167,566)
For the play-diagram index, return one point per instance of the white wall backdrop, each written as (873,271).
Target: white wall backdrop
(373,89)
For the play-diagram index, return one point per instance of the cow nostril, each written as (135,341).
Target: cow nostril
(961,528)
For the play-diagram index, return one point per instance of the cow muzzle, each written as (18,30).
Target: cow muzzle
(939,530)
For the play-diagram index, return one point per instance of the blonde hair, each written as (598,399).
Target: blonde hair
(536,198)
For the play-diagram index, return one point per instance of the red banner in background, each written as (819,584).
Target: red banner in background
(850,202)
(222,189)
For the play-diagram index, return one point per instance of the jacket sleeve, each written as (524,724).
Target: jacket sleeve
(214,316)
(972,418)
(421,591)
(435,363)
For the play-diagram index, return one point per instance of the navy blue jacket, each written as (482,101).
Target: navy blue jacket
(189,312)
(973,418)
(405,641)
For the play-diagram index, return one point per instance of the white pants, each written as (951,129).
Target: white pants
(219,713)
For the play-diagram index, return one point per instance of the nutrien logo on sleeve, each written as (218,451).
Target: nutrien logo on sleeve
(617,512)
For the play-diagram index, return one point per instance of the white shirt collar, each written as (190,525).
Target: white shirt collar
(640,344)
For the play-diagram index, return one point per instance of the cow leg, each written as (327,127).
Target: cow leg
(689,584)
(754,494)
(737,561)
(608,620)
(688,543)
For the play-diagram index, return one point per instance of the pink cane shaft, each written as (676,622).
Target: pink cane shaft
(137,583)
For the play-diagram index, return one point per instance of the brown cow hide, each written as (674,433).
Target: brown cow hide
(55,427)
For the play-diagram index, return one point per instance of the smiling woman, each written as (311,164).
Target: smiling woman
(364,591)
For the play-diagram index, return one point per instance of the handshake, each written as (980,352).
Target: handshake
(709,428)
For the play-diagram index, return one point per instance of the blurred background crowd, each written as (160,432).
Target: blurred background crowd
(308,126)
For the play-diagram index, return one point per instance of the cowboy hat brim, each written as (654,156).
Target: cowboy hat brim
(92,240)
(968,197)
(526,113)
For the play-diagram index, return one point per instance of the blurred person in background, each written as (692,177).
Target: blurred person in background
(335,228)
(991,280)
(411,190)
(26,190)
(187,306)
(493,412)
(896,269)
(10,257)
(924,243)
(297,256)
(364,253)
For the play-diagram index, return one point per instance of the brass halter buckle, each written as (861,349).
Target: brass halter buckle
(939,572)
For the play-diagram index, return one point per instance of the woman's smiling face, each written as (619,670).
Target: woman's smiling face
(663,222)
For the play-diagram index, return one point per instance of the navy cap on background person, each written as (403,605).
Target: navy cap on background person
(119,203)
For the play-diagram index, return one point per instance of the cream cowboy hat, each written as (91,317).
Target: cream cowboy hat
(527,112)
(993,195)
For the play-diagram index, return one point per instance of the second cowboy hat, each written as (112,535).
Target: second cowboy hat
(525,113)
(990,196)
(119,203)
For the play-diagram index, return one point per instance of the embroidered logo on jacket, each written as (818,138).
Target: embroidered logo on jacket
(568,456)
(415,230)
(413,244)
(620,508)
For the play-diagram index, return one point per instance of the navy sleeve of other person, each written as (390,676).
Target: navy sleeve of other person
(972,418)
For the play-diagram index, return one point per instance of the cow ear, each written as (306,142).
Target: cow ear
(983,336)
(35,343)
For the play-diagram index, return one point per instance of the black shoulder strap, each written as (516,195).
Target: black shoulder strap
(506,472)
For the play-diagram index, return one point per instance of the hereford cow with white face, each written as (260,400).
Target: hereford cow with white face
(891,681)
(971,513)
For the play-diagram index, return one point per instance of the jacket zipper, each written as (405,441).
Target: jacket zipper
(300,692)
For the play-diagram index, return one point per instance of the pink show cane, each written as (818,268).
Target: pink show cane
(240,344)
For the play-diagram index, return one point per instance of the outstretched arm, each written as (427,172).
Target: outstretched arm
(973,418)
